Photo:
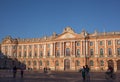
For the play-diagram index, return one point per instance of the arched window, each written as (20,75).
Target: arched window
(67,52)
(35,55)
(101,63)
(91,63)
(56,63)
(101,52)
(77,63)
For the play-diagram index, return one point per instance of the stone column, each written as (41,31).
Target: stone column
(27,51)
(38,50)
(60,49)
(63,49)
(22,50)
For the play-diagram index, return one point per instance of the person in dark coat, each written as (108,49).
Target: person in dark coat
(14,71)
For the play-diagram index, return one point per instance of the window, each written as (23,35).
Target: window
(118,42)
(77,63)
(35,55)
(78,43)
(48,54)
(91,43)
(40,63)
(91,63)
(101,43)
(78,52)
(101,63)
(118,51)
(41,54)
(57,63)
(34,63)
(30,54)
(67,52)
(24,54)
(58,53)
(91,52)
(47,62)
(109,42)
(101,52)
(19,53)
(109,51)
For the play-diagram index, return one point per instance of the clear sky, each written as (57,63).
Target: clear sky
(37,18)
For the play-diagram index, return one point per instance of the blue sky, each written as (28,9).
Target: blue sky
(38,18)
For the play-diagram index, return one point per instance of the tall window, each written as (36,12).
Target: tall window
(19,53)
(109,52)
(34,63)
(91,52)
(101,52)
(101,63)
(48,54)
(78,43)
(118,42)
(109,42)
(77,63)
(35,55)
(101,43)
(118,51)
(47,63)
(91,43)
(14,54)
(24,54)
(91,63)
(30,54)
(58,53)
(56,63)
(67,52)
(40,63)
(41,54)
(78,52)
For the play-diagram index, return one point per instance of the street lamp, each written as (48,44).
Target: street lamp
(85,36)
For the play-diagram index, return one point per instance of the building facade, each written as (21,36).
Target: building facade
(68,51)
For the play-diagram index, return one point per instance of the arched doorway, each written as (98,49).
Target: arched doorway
(66,64)
(110,62)
(118,65)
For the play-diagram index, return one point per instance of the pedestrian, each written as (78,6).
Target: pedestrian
(83,73)
(14,71)
(22,71)
(87,70)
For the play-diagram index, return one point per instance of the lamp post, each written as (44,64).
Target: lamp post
(85,35)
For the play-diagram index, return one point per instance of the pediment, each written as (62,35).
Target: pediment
(66,36)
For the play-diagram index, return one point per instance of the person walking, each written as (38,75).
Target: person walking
(14,71)
(83,73)
(87,70)
(22,71)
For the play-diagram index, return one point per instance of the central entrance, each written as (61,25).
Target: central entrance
(66,64)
